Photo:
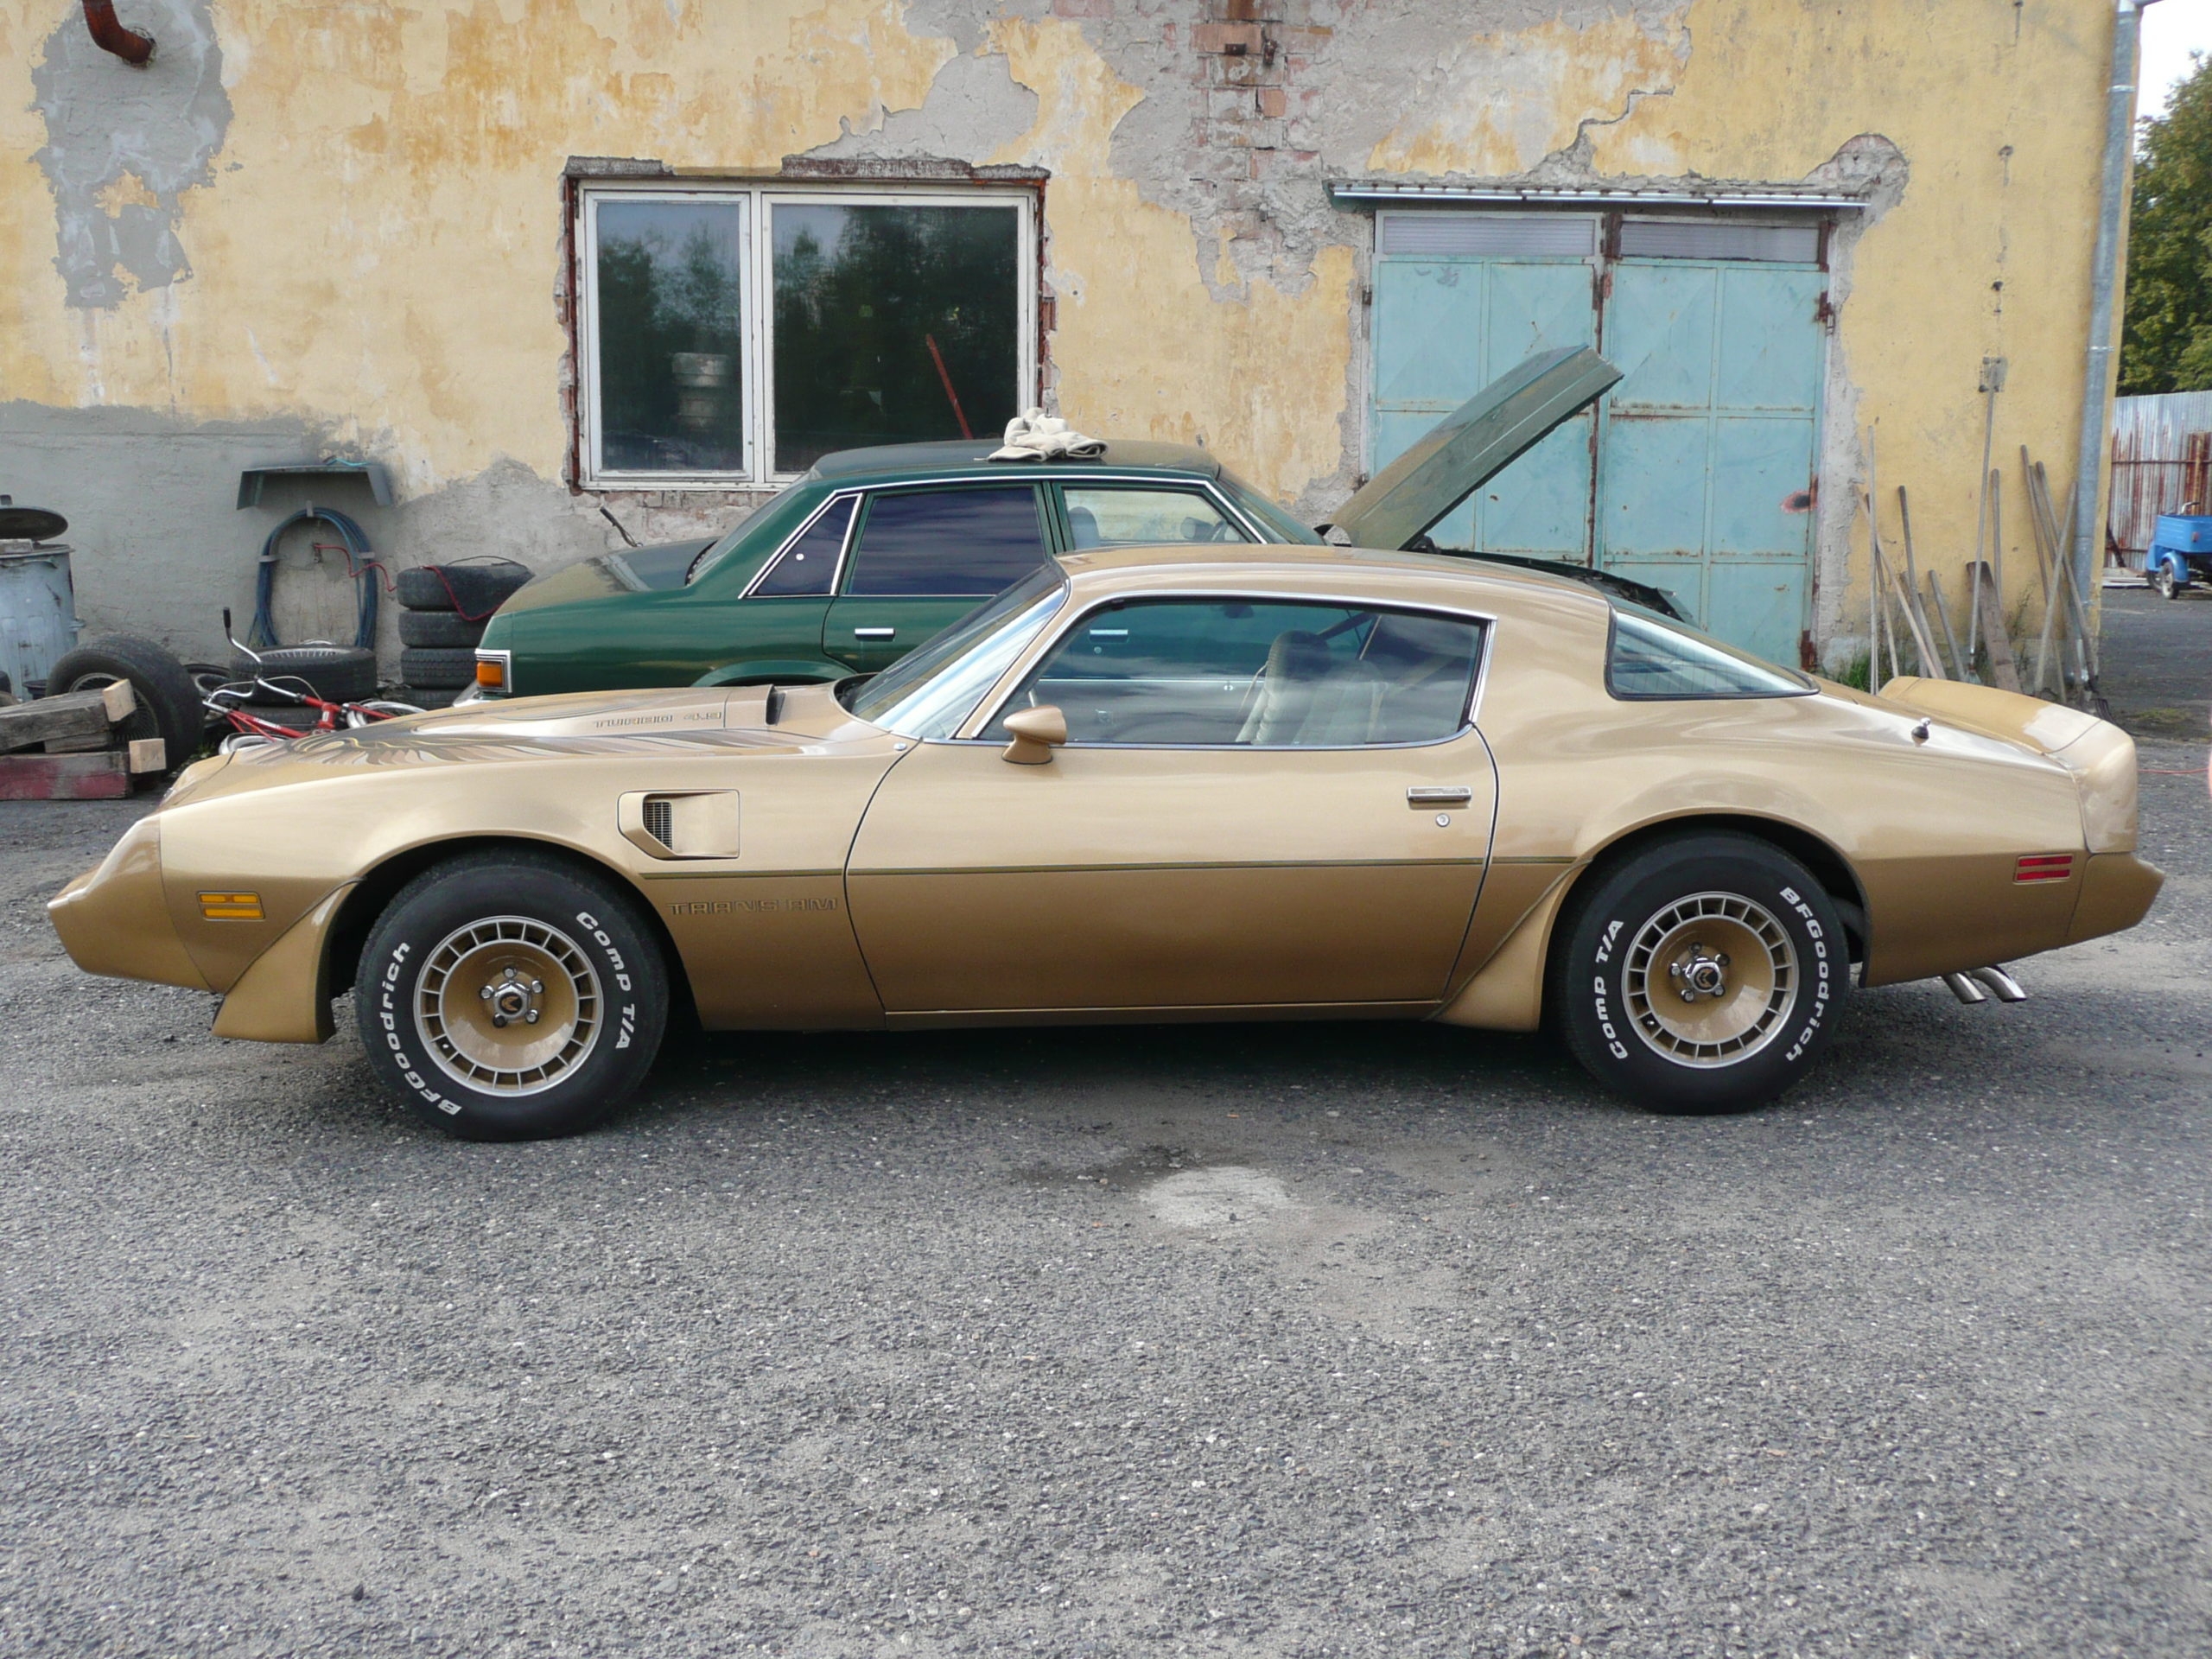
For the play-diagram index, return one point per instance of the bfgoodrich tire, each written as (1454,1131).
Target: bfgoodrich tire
(1703,973)
(511,996)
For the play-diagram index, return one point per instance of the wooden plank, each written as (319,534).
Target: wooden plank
(102,777)
(147,755)
(69,718)
(1923,637)
(1943,614)
(1994,639)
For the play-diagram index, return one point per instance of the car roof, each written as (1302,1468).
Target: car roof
(1458,577)
(897,462)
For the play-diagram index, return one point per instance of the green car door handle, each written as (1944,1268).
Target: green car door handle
(876,633)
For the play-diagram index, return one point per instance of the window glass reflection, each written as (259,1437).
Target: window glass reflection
(1105,518)
(1277,675)
(670,327)
(891,324)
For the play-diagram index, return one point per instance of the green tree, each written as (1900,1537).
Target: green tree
(2167,343)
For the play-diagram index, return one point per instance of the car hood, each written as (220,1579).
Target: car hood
(637,570)
(587,723)
(1473,444)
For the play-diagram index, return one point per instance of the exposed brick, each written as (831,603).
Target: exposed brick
(1226,37)
(1273,101)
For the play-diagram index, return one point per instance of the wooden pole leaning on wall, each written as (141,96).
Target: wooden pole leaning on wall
(2047,636)
(1915,615)
(1950,634)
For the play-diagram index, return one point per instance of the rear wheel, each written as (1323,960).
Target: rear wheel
(1703,973)
(2162,578)
(509,996)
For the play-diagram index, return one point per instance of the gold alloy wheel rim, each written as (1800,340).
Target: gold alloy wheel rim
(508,1005)
(1710,980)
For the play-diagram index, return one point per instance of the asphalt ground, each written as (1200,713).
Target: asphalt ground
(1238,1341)
(2158,660)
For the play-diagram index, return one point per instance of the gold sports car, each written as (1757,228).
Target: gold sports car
(1158,784)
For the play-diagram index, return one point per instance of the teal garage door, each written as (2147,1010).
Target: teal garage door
(1699,477)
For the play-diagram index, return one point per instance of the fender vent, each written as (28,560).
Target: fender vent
(681,824)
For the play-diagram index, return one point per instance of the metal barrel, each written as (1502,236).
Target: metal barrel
(38,613)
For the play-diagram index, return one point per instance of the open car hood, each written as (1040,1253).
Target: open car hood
(1465,450)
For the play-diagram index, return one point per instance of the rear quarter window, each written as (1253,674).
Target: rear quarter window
(1651,659)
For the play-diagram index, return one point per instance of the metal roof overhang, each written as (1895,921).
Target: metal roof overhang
(1404,193)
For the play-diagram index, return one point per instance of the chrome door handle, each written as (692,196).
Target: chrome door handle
(1438,795)
(874,633)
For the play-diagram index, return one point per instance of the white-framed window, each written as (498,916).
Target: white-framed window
(731,335)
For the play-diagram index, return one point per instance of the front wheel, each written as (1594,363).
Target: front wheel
(2162,578)
(508,996)
(1704,973)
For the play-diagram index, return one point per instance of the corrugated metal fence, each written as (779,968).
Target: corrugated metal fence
(2161,463)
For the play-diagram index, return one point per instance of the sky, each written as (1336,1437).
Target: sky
(2171,30)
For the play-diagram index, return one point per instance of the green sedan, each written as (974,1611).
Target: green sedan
(875,550)
(854,565)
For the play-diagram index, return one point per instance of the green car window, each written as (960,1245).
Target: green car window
(1121,517)
(809,565)
(1278,526)
(947,544)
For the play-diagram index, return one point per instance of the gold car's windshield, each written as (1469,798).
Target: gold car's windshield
(929,692)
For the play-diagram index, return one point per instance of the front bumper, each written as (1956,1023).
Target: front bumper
(114,920)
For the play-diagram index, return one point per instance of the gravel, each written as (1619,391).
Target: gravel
(1236,1341)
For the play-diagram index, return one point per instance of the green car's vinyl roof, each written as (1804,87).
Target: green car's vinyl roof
(900,462)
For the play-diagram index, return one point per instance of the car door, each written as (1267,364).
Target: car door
(923,558)
(1261,804)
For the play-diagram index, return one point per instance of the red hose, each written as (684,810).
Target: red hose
(110,35)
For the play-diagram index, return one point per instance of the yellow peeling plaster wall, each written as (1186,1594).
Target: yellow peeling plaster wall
(376,252)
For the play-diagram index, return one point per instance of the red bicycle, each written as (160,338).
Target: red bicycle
(250,730)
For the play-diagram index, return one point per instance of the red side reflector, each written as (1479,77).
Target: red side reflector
(2044,866)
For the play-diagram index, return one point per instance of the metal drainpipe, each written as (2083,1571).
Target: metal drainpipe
(110,35)
(2119,141)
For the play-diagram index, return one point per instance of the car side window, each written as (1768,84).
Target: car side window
(1652,659)
(809,565)
(1271,674)
(1124,517)
(955,544)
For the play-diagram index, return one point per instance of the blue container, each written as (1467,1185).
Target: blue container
(38,613)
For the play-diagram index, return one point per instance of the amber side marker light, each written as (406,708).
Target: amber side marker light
(230,906)
(2043,867)
(491,670)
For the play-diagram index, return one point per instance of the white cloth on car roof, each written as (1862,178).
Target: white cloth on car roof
(1034,436)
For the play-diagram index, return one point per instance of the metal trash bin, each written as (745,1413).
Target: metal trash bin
(38,603)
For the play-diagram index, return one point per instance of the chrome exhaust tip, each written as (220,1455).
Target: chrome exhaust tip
(1965,989)
(2007,987)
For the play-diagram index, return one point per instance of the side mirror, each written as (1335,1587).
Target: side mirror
(1036,733)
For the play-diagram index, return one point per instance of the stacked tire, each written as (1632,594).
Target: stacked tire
(443,609)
